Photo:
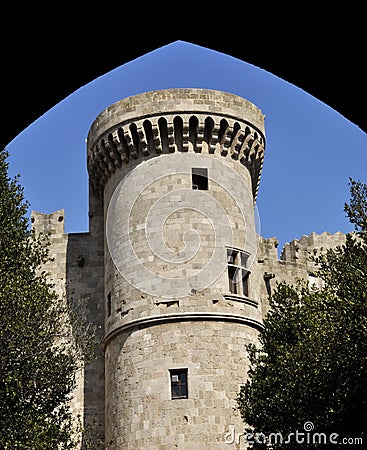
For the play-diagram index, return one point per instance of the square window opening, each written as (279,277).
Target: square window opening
(199,178)
(232,256)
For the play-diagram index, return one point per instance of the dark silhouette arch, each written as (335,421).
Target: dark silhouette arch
(48,56)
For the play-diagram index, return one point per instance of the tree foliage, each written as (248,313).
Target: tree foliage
(38,360)
(309,372)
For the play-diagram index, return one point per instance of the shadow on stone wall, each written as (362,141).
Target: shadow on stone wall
(85,291)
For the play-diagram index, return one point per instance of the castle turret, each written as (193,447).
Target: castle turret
(176,173)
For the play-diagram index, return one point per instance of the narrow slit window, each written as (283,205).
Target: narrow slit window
(109,304)
(233,285)
(178,379)
(199,178)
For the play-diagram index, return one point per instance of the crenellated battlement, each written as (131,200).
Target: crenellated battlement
(300,250)
(50,224)
(179,121)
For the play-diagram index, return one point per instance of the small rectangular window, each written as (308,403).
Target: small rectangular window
(109,304)
(178,383)
(199,178)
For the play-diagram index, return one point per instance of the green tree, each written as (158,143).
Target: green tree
(309,372)
(38,359)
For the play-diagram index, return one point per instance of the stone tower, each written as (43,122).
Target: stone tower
(174,176)
(173,272)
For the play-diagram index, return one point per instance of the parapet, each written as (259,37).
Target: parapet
(300,250)
(176,120)
(49,224)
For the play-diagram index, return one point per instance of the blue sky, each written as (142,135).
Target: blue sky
(311,150)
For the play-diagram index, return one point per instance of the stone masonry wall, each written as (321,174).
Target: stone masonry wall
(214,354)
(294,263)
(76,270)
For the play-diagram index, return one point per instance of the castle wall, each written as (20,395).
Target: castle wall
(141,357)
(213,353)
(157,272)
(76,270)
(295,262)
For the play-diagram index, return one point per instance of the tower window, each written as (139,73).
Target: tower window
(178,383)
(238,273)
(199,178)
(109,304)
